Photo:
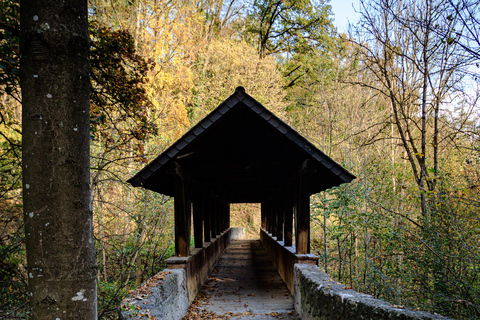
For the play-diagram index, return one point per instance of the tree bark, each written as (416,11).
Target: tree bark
(56,178)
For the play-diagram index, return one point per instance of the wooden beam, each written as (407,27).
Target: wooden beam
(302,217)
(288,222)
(263,218)
(268,218)
(220,218)
(207,224)
(198,220)
(182,232)
(273,215)
(214,214)
(188,212)
(223,217)
(228,215)
(279,212)
(226,212)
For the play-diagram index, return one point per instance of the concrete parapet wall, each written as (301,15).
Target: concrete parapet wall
(238,233)
(319,297)
(168,294)
(163,296)
(284,258)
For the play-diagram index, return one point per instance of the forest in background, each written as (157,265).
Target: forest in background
(394,100)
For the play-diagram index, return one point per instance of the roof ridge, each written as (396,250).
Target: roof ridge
(239,96)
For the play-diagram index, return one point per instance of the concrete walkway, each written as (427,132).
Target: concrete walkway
(243,285)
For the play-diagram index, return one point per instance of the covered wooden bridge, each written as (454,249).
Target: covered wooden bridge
(240,153)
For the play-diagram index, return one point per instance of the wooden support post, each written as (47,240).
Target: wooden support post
(198,218)
(182,232)
(302,237)
(223,217)
(295,218)
(268,218)
(220,218)
(288,222)
(263,223)
(264,215)
(215,219)
(188,212)
(273,209)
(228,215)
(207,224)
(279,212)
(302,217)
(271,219)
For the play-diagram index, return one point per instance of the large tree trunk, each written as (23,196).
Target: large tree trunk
(58,216)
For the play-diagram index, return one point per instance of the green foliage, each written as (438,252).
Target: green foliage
(293,27)
(13,298)
(220,70)
(13,284)
(119,120)
(388,249)
(369,234)
(9,46)
(134,240)
(10,129)
(118,99)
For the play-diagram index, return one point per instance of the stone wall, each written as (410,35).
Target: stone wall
(237,233)
(163,296)
(168,294)
(319,297)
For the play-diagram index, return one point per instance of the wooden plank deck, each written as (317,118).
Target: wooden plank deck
(243,285)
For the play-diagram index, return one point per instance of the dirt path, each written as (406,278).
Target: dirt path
(243,285)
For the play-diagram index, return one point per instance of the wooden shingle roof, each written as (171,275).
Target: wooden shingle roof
(243,153)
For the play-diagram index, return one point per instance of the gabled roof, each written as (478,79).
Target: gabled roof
(243,153)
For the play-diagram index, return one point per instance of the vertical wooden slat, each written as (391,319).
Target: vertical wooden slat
(274,218)
(182,234)
(228,215)
(188,212)
(220,218)
(267,217)
(198,217)
(223,217)
(279,211)
(271,212)
(302,222)
(273,221)
(262,216)
(214,218)
(288,222)
(207,219)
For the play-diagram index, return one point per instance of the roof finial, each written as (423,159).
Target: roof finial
(239,89)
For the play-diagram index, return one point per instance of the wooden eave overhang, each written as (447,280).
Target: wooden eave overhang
(241,152)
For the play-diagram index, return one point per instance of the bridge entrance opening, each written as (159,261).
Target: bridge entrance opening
(248,217)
